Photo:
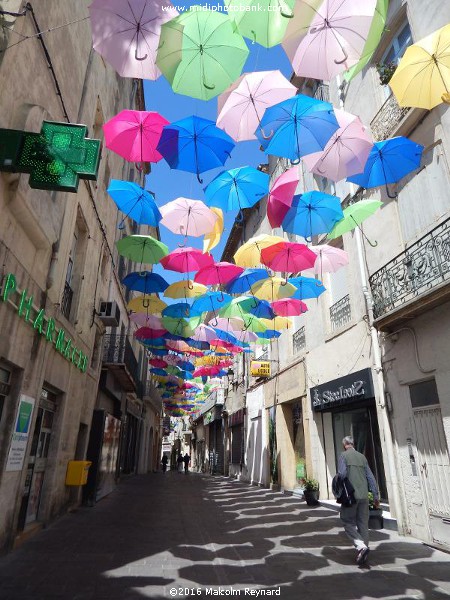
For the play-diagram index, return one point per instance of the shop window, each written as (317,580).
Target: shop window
(424,394)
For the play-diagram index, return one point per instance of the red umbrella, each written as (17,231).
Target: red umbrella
(158,363)
(289,307)
(145,333)
(185,260)
(288,256)
(219,273)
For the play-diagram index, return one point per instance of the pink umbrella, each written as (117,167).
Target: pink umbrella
(228,324)
(219,273)
(347,151)
(203,333)
(331,36)
(134,135)
(289,307)
(143,320)
(127,34)
(145,333)
(241,107)
(281,195)
(158,362)
(288,256)
(329,259)
(188,217)
(246,336)
(185,260)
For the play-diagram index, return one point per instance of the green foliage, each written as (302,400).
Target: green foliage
(371,504)
(386,71)
(310,484)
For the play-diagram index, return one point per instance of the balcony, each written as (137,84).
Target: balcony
(118,356)
(66,300)
(388,119)
(299,340)
(322,92)
(149,393)
(415,280)
(340,313)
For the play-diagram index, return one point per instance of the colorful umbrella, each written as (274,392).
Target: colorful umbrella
(187,217)
(211,240)
(242,106)
(146,304)
(288,257)
(245,280)
(142,249)
(204,333)
(329,259)
(237,189)
(127,34)
(249,254)
(135,202)
(277,323)
(146,333)
(289,307)
(143,320)
(272,288)
(134,135)
(158,362)
(185,289)
(422,78)
(211,301)
(180,310)
(145,282)
(354,215)
(312,213)
(228,324)
(297,127)
(262,310)
(333,39)
(262,21)
(179,327)
(281,195)
(218,274)
(185,260)
(306,287)
(346,152)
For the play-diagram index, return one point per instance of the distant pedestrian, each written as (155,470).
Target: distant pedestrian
(186,460)
(180,463)
(164,462)
(354,466)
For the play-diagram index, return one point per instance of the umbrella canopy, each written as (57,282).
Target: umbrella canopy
(143,320)
(187,217)
(237,188)
(289,307)
(146,304)
(158,362)
(180,310)
(145,282)
(185,260)
(242,106)
(134,135)
(262,21)
(204,333)
(200,53)
(185,289)
(272,288)
(297,127)
(262,310)
(144,333)
(281,195)
(346,152)
(422,78)
(211,239)
(332,39)
(277,323)
(245,280)
(135,202)
(388,162)
(354,215)
(179,327)
(312,213)
(211,301)
(329,259)
(288,256)
(127,34)
(142,249)
(220,273)
(306,287)
(269,334)
(195,145)
(158,371)
(249,254)
(232,324)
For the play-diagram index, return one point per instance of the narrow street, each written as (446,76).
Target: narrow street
(161,532)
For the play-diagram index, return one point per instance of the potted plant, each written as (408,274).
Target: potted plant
(375,515)
(311,491)
(386,71)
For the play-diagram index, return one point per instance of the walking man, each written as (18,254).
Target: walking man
(354,466)
(186,460)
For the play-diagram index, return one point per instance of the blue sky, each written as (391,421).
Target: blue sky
(169,184)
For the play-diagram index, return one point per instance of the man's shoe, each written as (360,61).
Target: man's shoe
(362,556)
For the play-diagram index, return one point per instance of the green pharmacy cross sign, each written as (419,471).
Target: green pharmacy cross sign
(55,158)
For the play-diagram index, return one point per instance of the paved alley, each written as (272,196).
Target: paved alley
(159,533)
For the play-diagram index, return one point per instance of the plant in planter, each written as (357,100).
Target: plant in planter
(311,491)
(375,515)
(386,71)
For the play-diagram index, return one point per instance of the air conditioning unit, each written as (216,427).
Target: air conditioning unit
(109,314)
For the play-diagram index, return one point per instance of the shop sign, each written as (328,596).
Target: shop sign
(260,368)
(38,320)
(351,388)
(19,439)
(208,417)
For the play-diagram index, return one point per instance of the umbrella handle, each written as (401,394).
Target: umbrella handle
(189,286)
(389,195)
(139,57)
(266,137)
(139,166)
(340,62)
(240,217)
(295,162)
(199,178)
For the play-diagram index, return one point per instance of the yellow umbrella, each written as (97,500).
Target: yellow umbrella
(273,288)
(185,289)
(212,239)
(278,323)
(422,78)
(146,304)
(249,255)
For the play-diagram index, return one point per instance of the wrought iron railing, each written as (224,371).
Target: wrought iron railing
(299,340)
(420,268)
(118,350)
(322,92)
(66,300)
(340,313)
(387,119)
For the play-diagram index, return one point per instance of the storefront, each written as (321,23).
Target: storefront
(213,419)
(236,429)
(346,406)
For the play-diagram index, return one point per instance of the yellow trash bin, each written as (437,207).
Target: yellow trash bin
(77,472)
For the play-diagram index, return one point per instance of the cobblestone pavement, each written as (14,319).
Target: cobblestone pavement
(164,532)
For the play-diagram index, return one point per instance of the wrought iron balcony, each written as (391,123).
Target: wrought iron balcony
(322,92)
(421,268)
(118,355)
(66,300)
(340,313)
(299,340)
(388,119)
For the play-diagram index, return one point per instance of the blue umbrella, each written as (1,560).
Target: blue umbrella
(158,351)
(269,334)
(180,310)
(185,375)
(388,162)
(156,342)
(237,189)
(157,371)
(296,127)
(262,310)
(307,287)
(245,280)
(211,301)
(186,365)
(195,145)
(135,202)
(145,281)
(312,213)
(225,336)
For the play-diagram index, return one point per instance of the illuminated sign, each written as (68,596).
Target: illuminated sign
(260,368)
(46,326)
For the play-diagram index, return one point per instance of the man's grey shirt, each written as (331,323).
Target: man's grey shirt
(354,465)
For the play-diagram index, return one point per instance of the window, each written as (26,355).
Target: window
(424,394)
(75,268)
(66,303)
(299,340)
(393,54)
(5,377)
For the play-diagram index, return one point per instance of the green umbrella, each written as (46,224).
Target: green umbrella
(261,342)
(373,39)
(238,307)
(142,249)
(354,215)
(254,324)
(262,21)
(179,327)
(200,53)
